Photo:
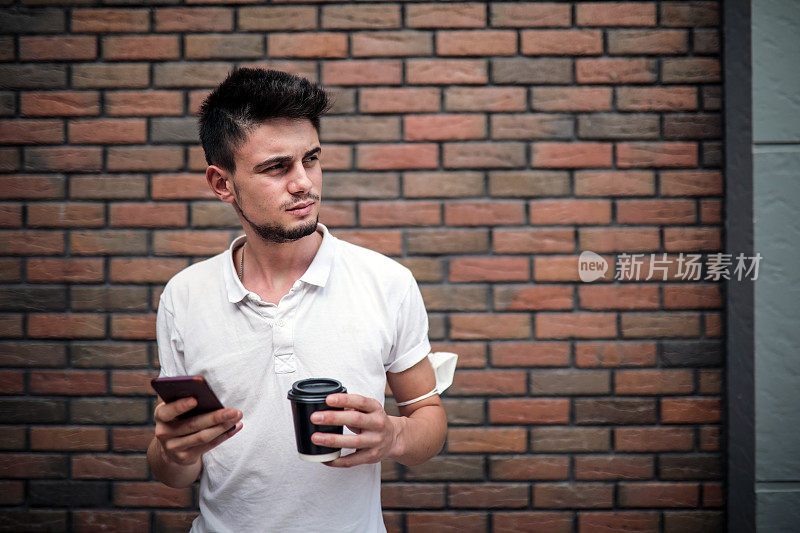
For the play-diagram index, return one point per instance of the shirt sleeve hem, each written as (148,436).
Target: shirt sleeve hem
(410,358)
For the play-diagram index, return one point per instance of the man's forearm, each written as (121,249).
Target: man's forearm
(419,436)
(168,472)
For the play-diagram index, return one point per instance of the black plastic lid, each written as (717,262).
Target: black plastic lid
(314,389)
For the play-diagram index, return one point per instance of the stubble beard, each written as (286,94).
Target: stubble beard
(277,233)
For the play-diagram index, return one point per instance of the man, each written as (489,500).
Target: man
(287,301)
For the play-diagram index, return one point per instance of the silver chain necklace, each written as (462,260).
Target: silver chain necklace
(241,263)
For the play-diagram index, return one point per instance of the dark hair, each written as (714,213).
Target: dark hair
(247,98)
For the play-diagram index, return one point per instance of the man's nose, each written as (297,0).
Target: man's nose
(299,180)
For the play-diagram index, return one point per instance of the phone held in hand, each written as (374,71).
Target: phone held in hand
(171,389)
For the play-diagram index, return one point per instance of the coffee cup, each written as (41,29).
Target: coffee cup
(308,396)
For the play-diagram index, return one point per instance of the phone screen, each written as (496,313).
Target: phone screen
(171,389)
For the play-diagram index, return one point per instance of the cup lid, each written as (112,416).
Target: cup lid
(314,389)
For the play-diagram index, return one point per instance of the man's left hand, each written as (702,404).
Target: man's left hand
(376,432)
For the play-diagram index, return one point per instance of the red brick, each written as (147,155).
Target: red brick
(570,155)
(387,242)
(131,439)
(561,42)
(529,411)
(618,296)
(709,438)
(446,71)
(692,239)
(690,70)
(69,438)
(560,212)
(24,242)
(616,14)
(482,326)
(444,127)
(144,158)
(132,382)
(70,326)
(361,16)
(391,43)
(422,522)
(488,495)
(175,520)
(66,158)
(190,242)
(690,410)
(307,45)
(397,156)
(180,187)
(575,325)
(691,183)
(109,466)
(650,42)
(484,213)
(573,495)
(653,382)
(150,494)
(193,19)
(162,214)
(489,269)
(65,269)
(710,382)
(476,43)
(485,99)
(129,47)
(534,240)
(571,98)
(533,522)
(451,15)
(362,72)
(108,131)
(602,522)
(145,270)
(491,440)
(713,325)
(405,100)
(656,98)
(608,70)
(413,495)
(133,326)
(110,20)
(11,216)
(58,48)
(27,131)
(658,494)
(93,521)
(656,212)
(713,495)
(484,155)
(532,298)
(521,467)
(530,354)
(70,214)
(12,381)
(611,183)
(400,213)
(60,103)
(442,184)
(613,354)
(618,239)
(653,439)
(710,212)
(692,296)
(143,103)
(597,467)
(335,157)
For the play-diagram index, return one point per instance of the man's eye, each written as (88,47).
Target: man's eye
(312,158)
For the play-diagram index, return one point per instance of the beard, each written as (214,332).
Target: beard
(281,234)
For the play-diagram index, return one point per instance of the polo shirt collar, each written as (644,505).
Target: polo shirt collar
(317,273)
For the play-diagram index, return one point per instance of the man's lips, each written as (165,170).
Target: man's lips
(301,208)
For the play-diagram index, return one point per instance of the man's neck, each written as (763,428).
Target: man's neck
(270,269)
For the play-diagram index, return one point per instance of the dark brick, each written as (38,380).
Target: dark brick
(690,467)
(109,411)
(68,493)
(17,465)
(712,154)
(618,126)
(566,382)
(692,353)
(28,298)
(683,521)
(446,468)
(526,70)
(174,130)
(464,412)
(26,20)
(692,126)
(12,437)
(109,355)
(33,520)
(32,354)
(32,410)
(110,298)
(27,77)
(617,411)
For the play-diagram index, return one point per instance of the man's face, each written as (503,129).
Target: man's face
(277,185)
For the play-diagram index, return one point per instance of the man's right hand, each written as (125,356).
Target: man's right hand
(184,440)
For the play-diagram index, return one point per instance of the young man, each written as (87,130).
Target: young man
(287,301)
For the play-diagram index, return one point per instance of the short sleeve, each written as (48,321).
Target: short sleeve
(411,343)
(170,344)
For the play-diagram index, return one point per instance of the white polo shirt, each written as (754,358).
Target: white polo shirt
(353,316)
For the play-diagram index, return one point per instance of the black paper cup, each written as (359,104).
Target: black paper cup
(308,396)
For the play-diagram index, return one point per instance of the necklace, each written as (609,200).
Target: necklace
(241,263)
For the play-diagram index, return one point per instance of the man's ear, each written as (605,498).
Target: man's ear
(220,183)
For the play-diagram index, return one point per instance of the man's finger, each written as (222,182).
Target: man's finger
(167,412)
(343,418)
(199,423)
(334,440)
(359,457)
(202,438)
(355,401)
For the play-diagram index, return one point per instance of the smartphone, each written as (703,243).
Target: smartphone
(175,388)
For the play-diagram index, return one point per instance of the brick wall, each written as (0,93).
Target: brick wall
(484,144)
